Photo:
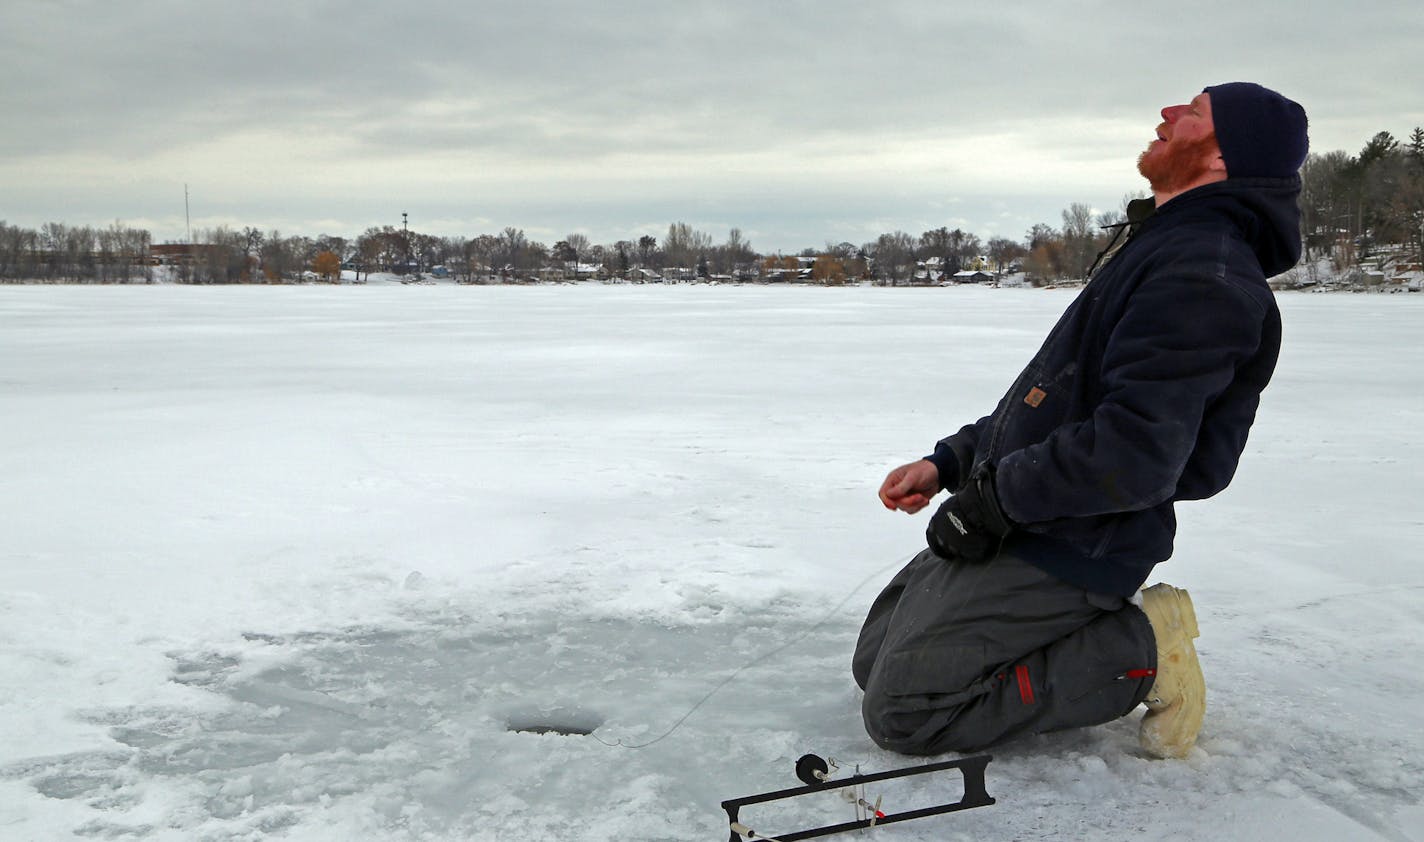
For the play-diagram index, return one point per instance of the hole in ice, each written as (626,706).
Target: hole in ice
(561,721)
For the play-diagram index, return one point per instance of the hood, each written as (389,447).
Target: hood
(1265,210)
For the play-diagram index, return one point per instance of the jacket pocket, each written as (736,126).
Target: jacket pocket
(1051,391)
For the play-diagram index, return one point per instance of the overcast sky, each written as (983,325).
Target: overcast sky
(799,122)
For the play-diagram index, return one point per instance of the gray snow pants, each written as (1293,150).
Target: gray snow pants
(955,656)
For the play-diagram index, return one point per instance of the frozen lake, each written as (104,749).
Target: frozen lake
(298,563)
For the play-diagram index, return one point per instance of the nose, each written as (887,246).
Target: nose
(1171,112)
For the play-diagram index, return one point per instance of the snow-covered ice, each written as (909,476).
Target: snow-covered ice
(300,562)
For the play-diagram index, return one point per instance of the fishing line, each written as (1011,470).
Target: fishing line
(766,656)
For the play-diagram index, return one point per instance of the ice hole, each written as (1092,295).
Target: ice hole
(561,721)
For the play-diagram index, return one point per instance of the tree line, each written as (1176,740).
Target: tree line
(61,253)
(1352,207)
(1355,206)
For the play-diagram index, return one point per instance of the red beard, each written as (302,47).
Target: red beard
(1177,166)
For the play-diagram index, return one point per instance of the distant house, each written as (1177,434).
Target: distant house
(972,276)
(745,272)
(931,270)
(789,276)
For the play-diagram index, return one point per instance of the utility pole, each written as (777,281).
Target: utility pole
(187,216)
(405,237)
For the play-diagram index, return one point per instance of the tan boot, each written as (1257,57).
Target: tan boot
(1177,701)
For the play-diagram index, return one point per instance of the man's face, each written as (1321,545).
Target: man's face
(1185,148)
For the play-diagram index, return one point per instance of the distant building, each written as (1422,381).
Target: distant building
(184,253)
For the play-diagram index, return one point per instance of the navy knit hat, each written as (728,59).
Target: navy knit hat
(1261,133)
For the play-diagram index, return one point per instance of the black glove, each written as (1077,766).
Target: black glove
(970,526)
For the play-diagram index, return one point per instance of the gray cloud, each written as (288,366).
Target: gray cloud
(798,118)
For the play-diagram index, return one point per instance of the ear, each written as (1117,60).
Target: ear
(1215,162)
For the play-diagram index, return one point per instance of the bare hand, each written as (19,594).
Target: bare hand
(910,487)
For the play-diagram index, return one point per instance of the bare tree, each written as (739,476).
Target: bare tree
(578,244)
(1080,239)
(338,246)
(734,256)
(968,250)
(937,245)
(1003,252)
(511,255)
(684,246)
(480,255)
(220,256)
(894,257)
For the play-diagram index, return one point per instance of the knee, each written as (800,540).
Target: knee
(892,727)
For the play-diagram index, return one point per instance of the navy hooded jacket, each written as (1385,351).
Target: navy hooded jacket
(1144,391)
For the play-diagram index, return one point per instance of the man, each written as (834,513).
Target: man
(1024,614)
